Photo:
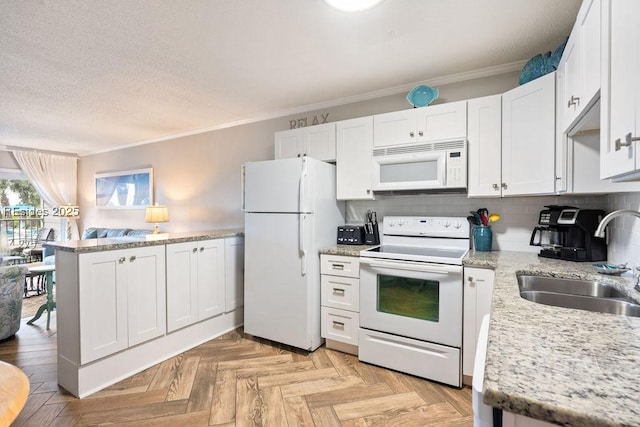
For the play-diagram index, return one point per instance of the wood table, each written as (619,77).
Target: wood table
(14,389)
(50,304)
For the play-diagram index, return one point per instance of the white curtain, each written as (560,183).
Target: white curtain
(55,177)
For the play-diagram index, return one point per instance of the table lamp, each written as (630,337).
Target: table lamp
(157,214)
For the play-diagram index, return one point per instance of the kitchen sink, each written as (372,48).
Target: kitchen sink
(575,293)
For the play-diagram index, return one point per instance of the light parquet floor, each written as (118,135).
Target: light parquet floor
(236,380)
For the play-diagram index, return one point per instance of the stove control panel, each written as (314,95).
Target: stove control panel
(427,226)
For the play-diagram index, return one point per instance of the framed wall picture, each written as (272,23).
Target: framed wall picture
(125,190)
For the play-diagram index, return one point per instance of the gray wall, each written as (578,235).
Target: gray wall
(198,176)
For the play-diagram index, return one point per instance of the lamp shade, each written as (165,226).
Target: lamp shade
(157,213)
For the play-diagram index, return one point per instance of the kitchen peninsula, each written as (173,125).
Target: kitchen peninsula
(564,366)
(125,304)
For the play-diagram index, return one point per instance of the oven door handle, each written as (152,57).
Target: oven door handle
(413,266)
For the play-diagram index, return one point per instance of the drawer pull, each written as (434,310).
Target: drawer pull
(337,266)
(339,325)
(338,291)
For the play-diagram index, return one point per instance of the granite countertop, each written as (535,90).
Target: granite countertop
(565,366)
(346,250)
(107,244)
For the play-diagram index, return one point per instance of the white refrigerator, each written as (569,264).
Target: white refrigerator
(290,213)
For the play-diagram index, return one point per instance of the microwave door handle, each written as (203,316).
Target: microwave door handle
(412,266)
(442,169)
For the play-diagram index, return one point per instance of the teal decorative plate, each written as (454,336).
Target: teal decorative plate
(421,96)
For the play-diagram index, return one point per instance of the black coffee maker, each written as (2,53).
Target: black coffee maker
(566,232)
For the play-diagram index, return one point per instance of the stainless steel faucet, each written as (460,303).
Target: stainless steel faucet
(607,219)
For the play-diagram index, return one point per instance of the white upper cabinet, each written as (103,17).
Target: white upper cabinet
(444,122)
(579,69)
(317,141)
(485,146)
(354,145)
(620,102)
(528,138)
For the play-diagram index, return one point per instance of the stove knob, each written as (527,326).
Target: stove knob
(457,225)
(446,224)
(392,223)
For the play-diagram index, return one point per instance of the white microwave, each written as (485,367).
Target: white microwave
(439,165)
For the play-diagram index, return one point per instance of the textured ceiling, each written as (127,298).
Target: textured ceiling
(85,76)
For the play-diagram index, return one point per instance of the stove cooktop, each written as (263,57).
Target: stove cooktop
(443,240)
(417,253)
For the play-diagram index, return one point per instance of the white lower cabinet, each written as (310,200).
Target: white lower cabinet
(234,273)
(340,298)
(121,300)
(478,288)
(113,305)
(509,419)
(195,282)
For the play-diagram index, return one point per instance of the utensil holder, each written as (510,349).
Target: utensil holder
(372,238)
(482,238)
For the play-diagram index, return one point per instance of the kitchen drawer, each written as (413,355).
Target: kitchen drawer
(339,265)
(340,292)
(340,325)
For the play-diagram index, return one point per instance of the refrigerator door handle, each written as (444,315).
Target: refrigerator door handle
(303,184)
(302,243)
(242,187)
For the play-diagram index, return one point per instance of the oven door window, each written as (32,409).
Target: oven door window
(403,296)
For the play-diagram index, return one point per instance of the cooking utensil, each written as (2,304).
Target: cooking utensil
(472,220)
(484,214)
(494,217)
(477,217)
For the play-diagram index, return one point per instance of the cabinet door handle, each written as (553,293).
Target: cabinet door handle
(504,185)
(421,133)
(202,249)
(337,266)
(628,139)
(122,260)
(574,101)
(496,187)
(338,324)
(471,281)
(338,291)
(412,134)
(195,250)
(132,258)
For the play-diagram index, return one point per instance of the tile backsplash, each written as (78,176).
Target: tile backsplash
(518,214)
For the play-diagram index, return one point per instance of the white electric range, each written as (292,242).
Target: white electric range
(411,297)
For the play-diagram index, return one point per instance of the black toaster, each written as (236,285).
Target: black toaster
(351,235)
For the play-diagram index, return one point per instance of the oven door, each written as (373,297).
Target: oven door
(412,299)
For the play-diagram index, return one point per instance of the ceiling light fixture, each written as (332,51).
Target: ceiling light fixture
(352,5)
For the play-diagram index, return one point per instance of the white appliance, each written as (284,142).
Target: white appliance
(290,213)
(439,165)
(482,413)
(411,297)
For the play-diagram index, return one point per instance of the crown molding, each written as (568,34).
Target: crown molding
(444,80)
